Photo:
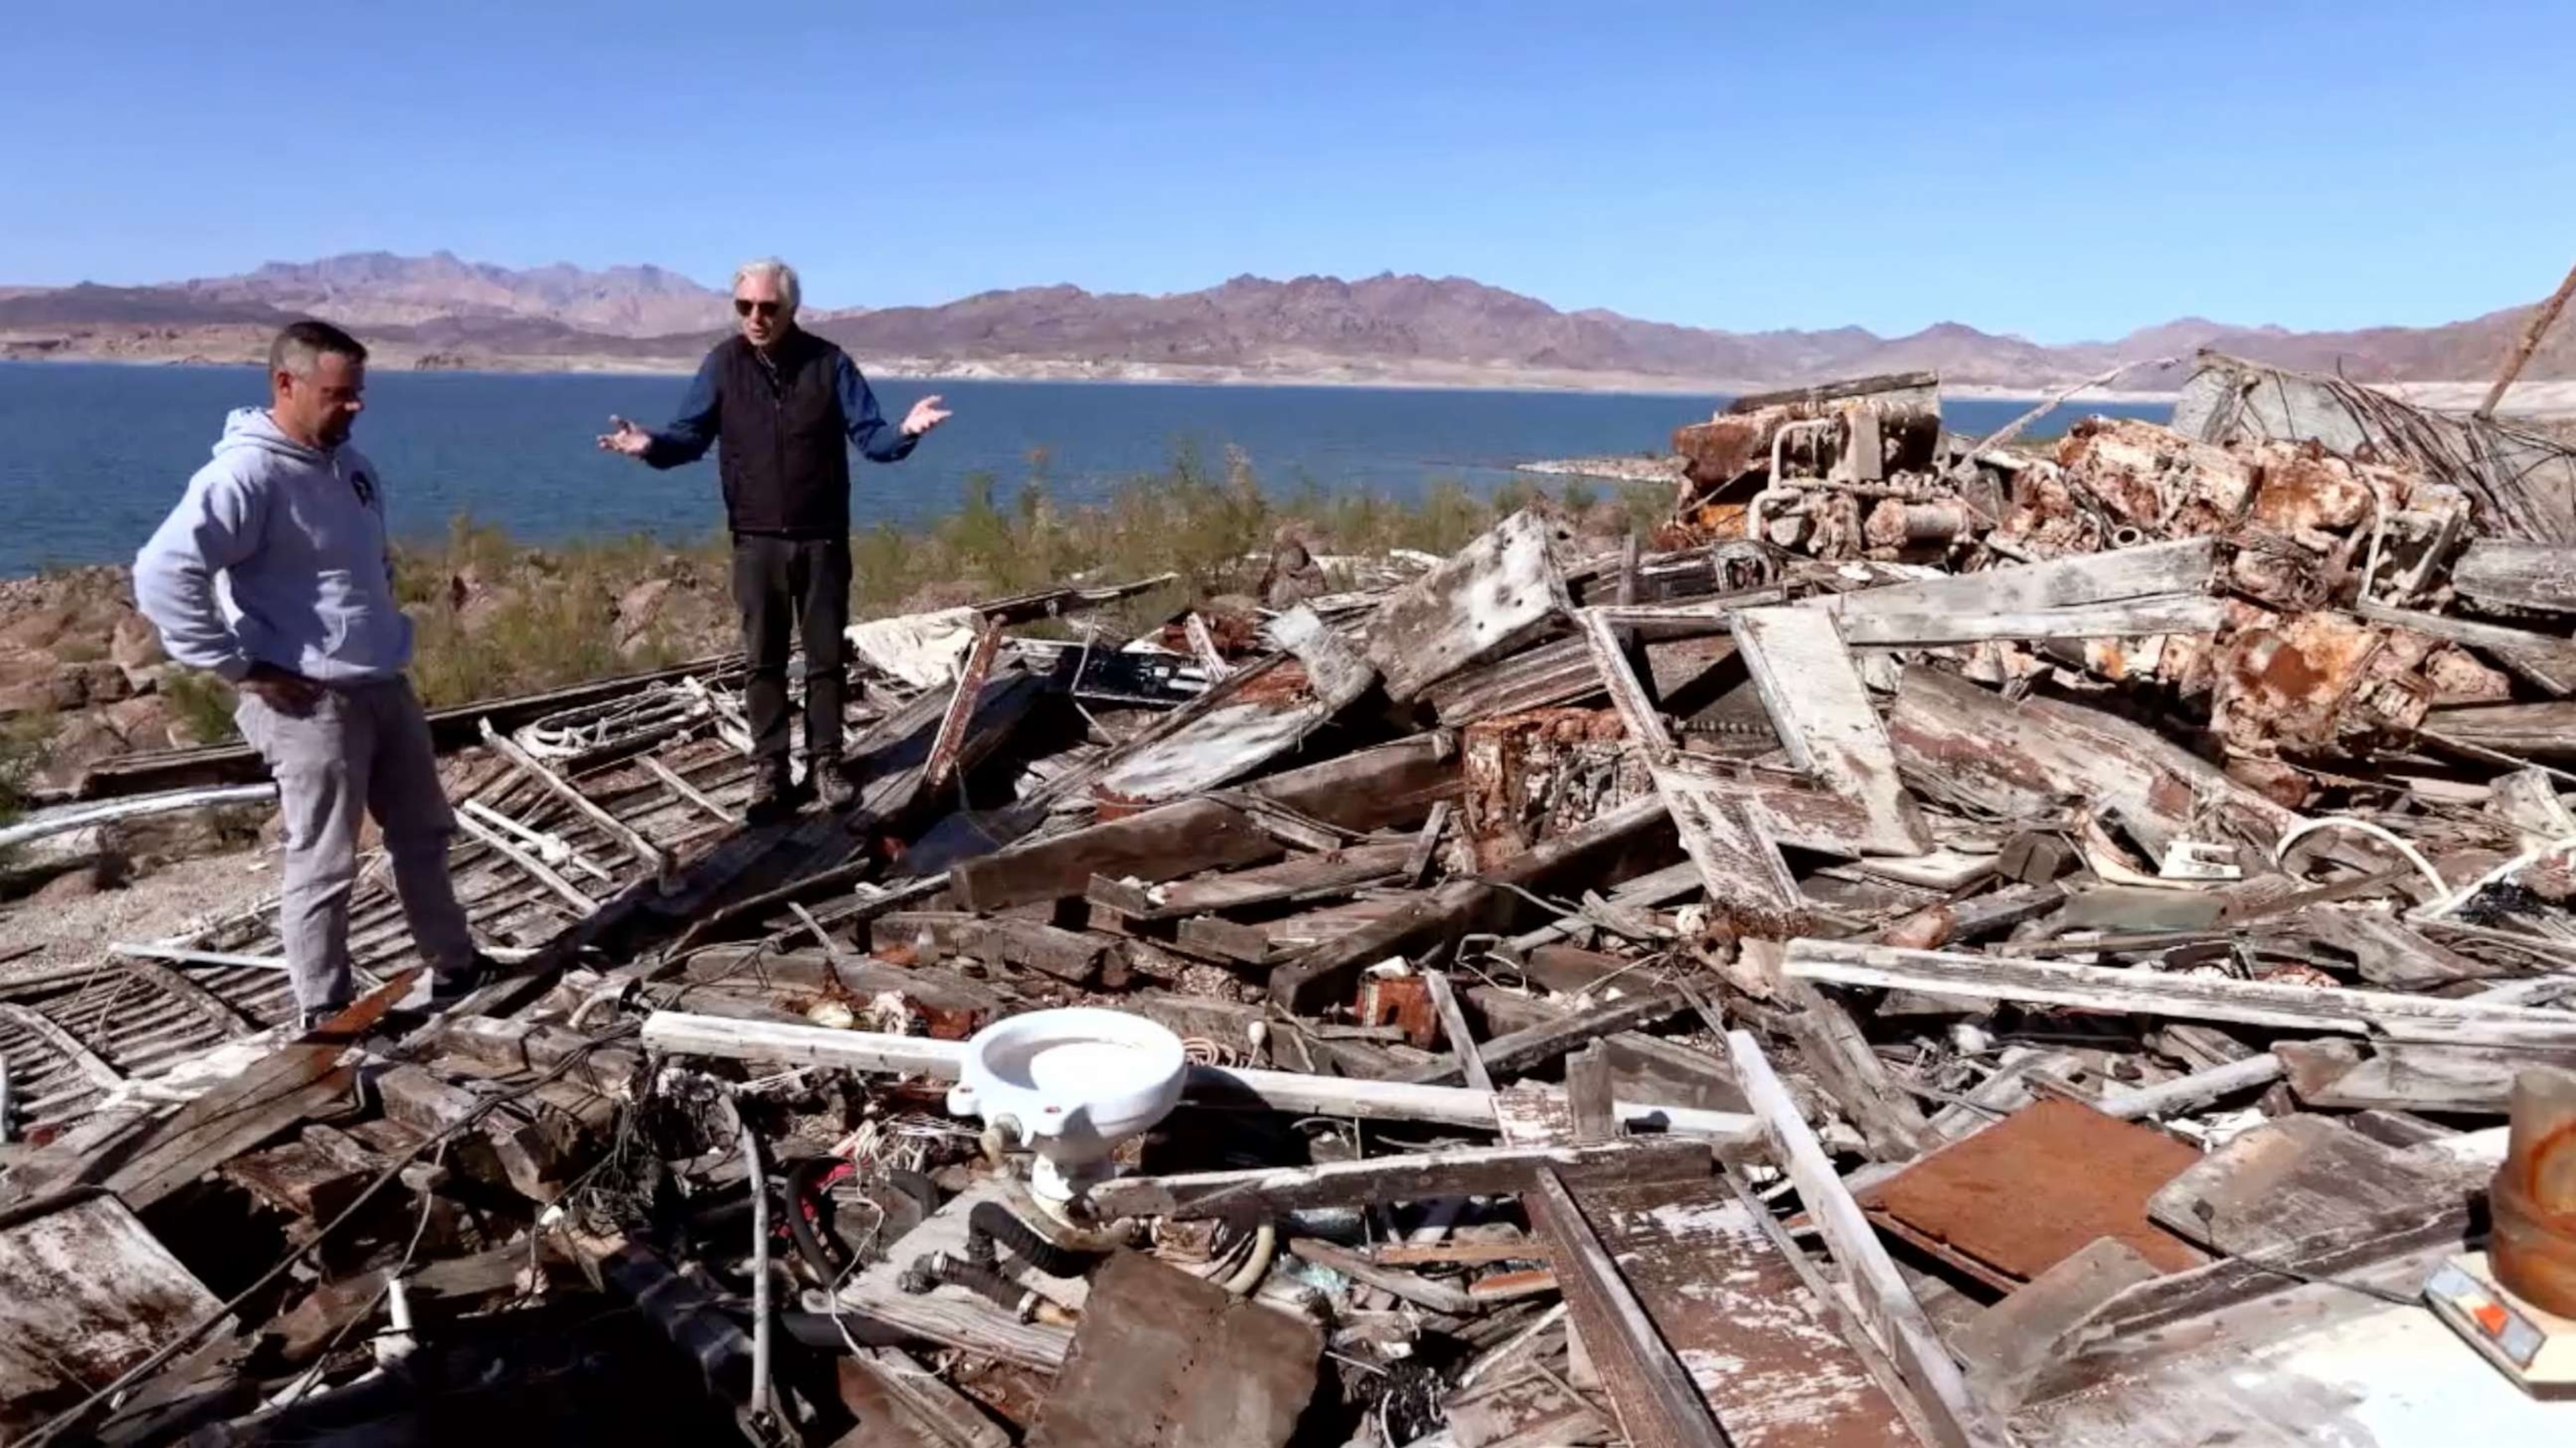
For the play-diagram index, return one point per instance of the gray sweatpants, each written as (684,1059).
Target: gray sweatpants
(363,749)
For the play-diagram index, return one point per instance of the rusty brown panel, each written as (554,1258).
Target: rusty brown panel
(1538,774)
(2017,1198)
(1402,1000)
(86,1293)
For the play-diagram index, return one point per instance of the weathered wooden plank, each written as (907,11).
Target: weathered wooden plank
(1420,1177)
(1392,786)
(1266,884)
(1610,849)
(1761,1348)
(1637,708)
(2178,614)
(1251,727)
(87,1293)
(1659,1404)
(2295,1180)
(1453,1028)
(1335,669)
(1959,744)
(1034,945)
(1739,864)
(1840,1058)
(1158,844)
(2532,731)
(2184,997)
(1885,1302)
(1486,598)
(1827,727)
(1558,672)
(267,1100)
(2502,573)
(2079,581)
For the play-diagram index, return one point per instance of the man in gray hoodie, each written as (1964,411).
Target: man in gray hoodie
(290,520)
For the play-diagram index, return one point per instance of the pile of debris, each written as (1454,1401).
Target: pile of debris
(1953,946)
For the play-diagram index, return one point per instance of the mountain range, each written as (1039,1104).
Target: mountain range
(440,310)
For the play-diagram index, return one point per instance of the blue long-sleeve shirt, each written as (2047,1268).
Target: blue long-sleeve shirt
(694,429)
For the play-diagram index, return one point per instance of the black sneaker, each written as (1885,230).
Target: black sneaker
(831,785)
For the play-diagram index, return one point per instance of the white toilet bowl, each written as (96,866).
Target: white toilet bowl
(1070,1085)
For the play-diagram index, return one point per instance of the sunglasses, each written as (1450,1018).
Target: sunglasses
(743,308)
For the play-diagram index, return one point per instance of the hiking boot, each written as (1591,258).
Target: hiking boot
(773,794)
(831,785)
(447,989)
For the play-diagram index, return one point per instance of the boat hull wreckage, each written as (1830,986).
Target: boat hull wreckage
(1947,943)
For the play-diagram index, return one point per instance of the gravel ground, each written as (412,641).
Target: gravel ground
(165,902)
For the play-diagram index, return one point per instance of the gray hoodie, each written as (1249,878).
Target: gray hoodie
(298,535)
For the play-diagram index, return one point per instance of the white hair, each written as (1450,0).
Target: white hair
(789,291)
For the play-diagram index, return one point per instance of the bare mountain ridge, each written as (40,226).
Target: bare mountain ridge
(1387,326)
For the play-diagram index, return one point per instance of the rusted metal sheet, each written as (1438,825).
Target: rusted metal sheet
(2327,683)
(1762,1350)
(1165,1360)
(85,1294)
(2011,1201)
(2522,480)
(1534,776)
(1401,1000)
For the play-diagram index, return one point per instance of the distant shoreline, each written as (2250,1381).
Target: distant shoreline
(1142,375)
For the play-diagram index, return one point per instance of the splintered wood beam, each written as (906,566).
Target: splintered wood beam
(950,741)
(2499,572)
(1637,710)
(2428,1019)
(1453,1025)
(2083,580)
(1158,844)
(536,869)
(1821,708)
(1608,849)
(1886,1303)
(2177,614)
(1419,1177)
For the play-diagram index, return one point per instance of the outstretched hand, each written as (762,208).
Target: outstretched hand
(925,415)
(625,437)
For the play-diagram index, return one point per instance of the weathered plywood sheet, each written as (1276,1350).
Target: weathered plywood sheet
(86,1293)
(1755,1341)
(1486,598)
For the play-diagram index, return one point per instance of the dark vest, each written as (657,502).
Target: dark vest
(782,445)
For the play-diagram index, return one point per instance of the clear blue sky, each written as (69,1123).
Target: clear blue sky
(2059,170)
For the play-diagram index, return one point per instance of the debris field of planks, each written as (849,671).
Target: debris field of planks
(1852,968)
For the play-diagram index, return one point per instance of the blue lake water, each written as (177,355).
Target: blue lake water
(92,456)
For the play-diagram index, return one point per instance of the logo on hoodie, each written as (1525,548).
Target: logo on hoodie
(365,485)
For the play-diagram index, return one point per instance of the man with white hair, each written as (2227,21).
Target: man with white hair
(778,402)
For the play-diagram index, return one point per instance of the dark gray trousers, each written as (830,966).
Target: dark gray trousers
(803,585)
